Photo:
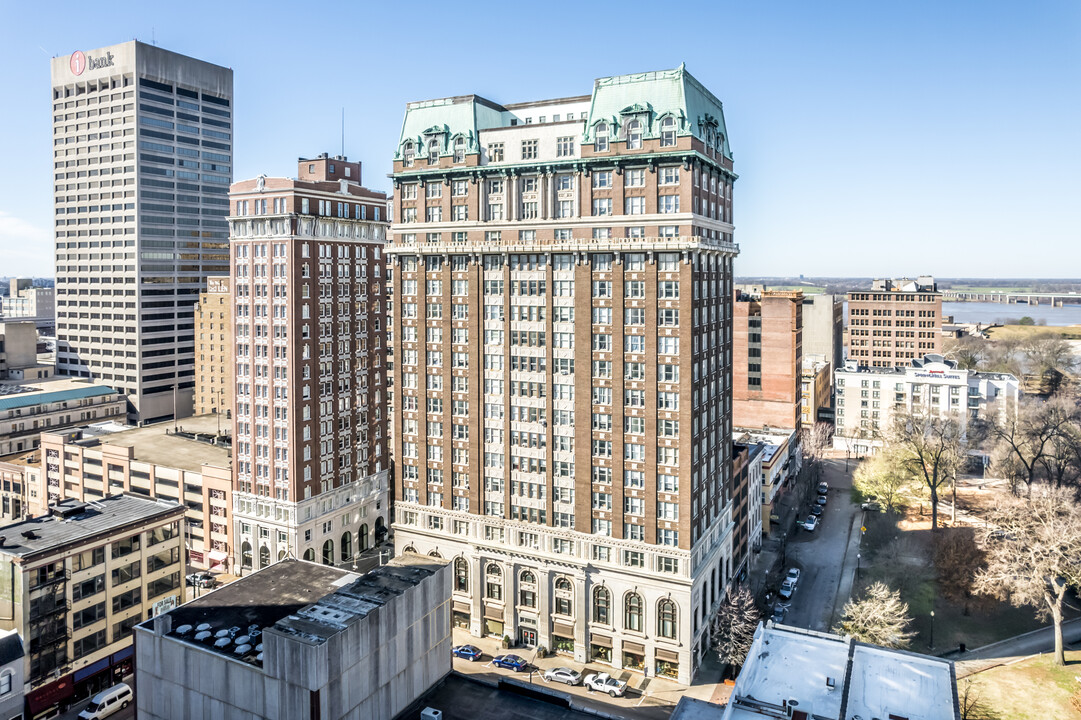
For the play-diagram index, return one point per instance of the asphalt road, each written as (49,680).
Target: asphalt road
(820,554)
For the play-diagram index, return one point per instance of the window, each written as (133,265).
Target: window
(666,619)
(634,135)
(459,150)
(602,179)
(565,147)
(602,605)
(669,203)
(634,206)
(461,575)
(5,683)
(669,176)
(600,142)
(634,178)
(632,612)
(433,151)
(493,586)
(668,132)
(564,596)
(529,150)
(495,152)
(602,206)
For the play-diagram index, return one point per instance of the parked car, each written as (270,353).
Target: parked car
(788,587)
(817,509)
(779,611)
(810,524)
(793,575)
(471,653)
(201,579)
(603,682)
(871,506)
(563,675)
(107,702)
(511,662)
(823,488)
(821,499)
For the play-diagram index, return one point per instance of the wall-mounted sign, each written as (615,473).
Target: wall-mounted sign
(80,61)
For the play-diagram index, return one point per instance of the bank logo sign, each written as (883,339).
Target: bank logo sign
(80,61)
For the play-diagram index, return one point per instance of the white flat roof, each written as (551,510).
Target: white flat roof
(886,682)
(794,665)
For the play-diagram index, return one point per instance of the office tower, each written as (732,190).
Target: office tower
(897,322)
(214,348)
(768,351)
(561,287)
(309,442)
(142,155)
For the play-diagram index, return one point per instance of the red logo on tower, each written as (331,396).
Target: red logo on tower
(78,62)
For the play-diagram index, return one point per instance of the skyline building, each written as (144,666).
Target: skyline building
(560,350)
(310,470)
(768,350)
(142,153)
(894,323)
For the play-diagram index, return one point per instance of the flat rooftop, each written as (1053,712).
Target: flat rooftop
(889,682)
(307,601)
(160,445)
(82,522)
(16,394)
(463,697)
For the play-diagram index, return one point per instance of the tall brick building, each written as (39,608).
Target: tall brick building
(214,348)
(561,285)
(309,424)
(767,351)
(895,323)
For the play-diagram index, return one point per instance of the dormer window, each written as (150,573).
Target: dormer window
(459,150)
(433,151)
(408,153)
(634,135)
(600,142)
(668,132)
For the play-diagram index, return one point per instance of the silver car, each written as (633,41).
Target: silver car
(563,675)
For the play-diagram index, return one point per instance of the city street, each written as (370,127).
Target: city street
(820,555)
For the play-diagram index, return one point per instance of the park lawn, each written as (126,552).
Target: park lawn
(1033,689)
(1024,332)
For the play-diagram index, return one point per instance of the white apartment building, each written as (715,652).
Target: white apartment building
(867,397)
(142,158)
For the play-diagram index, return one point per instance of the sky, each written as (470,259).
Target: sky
(870,138)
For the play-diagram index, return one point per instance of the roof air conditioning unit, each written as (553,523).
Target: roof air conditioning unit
(430,713)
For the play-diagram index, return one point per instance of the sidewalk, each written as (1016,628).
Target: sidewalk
(849,567)
(1015,648)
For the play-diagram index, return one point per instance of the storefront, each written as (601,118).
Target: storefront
(667,664)
(46,700)
(600,648)
(103,674)
(493,621)
(563,638)
(527,631)
(460,614)
(634,656)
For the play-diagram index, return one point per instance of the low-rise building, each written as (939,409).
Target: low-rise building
(300,641)
(75,583)
(781,460)
(12,675)
(187,462)
(18,346)
(747,514)
(802,674)
(17,474)
(815,396)
(214,348)
(29,408)
(26,300)
(867,398)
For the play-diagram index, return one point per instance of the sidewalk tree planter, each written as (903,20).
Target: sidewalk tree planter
(506,642)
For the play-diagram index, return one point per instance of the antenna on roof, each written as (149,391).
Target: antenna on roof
(343,131)
(153,40)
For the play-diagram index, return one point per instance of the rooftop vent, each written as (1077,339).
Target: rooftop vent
(29,534)
(68,510)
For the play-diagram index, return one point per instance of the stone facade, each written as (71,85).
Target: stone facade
(214,349)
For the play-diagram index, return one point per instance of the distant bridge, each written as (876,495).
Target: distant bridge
(1008,298)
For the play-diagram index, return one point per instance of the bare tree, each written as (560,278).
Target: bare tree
(815,441)
(970,702)
(734,626)
(1062,461)
(1049,358)
(1034,555)
(930,448)
(970,353)
(878,618)
(957,559)
(883,477)
(1025,437)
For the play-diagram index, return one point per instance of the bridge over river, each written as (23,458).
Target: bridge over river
(1007,298)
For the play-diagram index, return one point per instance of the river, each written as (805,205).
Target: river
(987,313)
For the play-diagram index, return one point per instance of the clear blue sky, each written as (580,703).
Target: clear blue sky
(871,138)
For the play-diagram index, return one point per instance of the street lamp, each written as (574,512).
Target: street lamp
(932,629)
(784,548)
(857,566)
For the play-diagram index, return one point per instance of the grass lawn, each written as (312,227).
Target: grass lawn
(1034,689)
(1023,332)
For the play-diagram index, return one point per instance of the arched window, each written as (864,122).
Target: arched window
(527,591)
(408,153)
(459,149)
(362,537)
(309,555)
(264,556)
(347,546)
(632,612)
(564,597)
(410,549)
(600,140)
(281,555)
(6,682)
(668,132)
(435,554)
(245,555)
(433,151)
(634,135)
(666,619)
(720,144)
(461,575)
(602,606)
(493,582)
(328,552)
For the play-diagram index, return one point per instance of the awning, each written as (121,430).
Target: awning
(601,640)
(91,669)
(666,655)
(462,606)
(493,613)
(218,556)
(563,629)
(51,694)
(633,647)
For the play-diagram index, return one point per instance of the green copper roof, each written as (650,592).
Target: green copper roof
(464,115)
(650,96)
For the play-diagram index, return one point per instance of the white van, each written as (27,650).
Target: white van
(107,702)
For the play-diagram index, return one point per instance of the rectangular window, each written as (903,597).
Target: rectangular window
(565,146)
(529,150)
(634,206)
(495,152)
(602,179)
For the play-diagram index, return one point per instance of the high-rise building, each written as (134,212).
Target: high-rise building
(311,471)
(561,343)
(214,348)
(142,157)
(768,357)
(894,323)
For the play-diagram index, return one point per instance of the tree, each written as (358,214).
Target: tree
(968,351)
(1023,438)
(971,704)
(883,477)
(930,449)
(957,559)
(1049,357)
(1034,555)
(735,625)
(816,440)
(879,618)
